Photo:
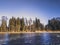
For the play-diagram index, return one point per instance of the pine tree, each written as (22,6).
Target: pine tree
(12,24)
(22,24)
(18,24)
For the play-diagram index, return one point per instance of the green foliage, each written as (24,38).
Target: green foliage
(54,24)
(22,24)
(38,25)
(18,21)
(19,24)
(12,24)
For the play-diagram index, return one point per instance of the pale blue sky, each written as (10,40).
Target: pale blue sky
(42,9)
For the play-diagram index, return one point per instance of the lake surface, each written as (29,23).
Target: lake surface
(30,39)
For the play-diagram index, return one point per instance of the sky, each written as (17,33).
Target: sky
(42,9)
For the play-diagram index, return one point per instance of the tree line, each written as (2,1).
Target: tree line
(22,24)
(53,24)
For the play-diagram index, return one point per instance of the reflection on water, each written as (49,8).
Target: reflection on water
(30,39)
(4,38)
(45,38)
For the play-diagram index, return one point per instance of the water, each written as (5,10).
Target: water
(30,39)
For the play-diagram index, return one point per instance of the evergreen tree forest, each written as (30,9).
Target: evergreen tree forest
(23,24)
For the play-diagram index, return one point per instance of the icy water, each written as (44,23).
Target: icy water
(30,39)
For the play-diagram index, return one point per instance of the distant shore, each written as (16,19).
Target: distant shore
(30,32)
